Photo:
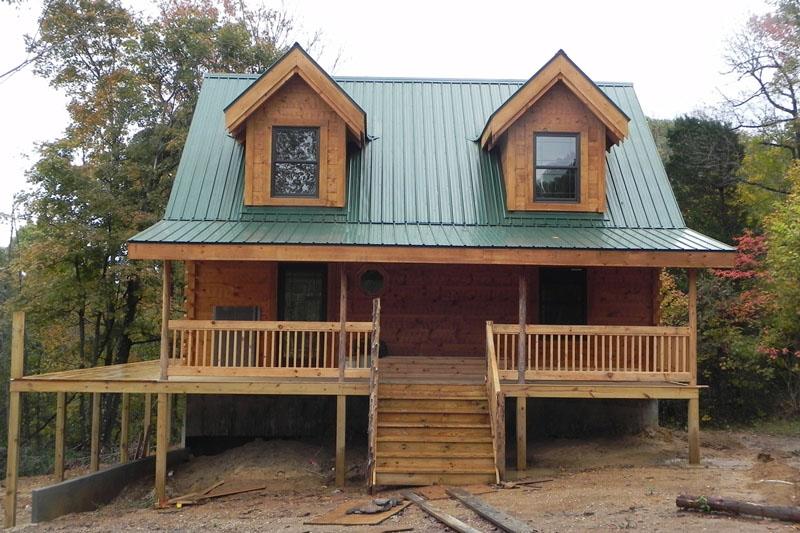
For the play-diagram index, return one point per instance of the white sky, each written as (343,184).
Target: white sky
(672,51)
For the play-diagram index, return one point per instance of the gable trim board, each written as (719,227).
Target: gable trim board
(560,69)
(296,62)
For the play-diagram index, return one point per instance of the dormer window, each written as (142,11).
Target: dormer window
(295,162)
(557,167)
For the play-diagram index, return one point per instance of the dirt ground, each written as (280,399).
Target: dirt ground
(599,484)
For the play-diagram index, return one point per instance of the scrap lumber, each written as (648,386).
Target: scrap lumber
(500,518)
(719,504)
(339,516)
(450,521)
(217,490)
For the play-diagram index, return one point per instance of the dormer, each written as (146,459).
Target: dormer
(553,135)
(295,123)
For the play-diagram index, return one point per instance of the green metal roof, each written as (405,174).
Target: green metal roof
(421,180)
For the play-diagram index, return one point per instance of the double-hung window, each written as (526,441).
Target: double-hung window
(295,162)
(556,157)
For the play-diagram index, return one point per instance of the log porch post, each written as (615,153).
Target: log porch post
(522,356)
(12,461)
(342,319)
(166,297)
(61,416)
(694,403)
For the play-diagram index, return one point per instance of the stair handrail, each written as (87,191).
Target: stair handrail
(372,428)
(496,400)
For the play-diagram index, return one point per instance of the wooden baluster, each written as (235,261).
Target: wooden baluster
(528,352)
(536,351)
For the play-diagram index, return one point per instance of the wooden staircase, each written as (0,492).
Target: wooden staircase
(433,422)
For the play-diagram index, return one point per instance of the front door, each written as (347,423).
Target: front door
(562,296)
(302,292)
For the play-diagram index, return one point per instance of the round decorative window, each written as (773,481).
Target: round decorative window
(371,281)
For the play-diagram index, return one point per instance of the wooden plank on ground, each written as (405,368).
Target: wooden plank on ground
(450,521)
(500,518)
(437,492)
(339,516)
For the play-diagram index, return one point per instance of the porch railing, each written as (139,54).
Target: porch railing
(615,353)
(262,348)
(497,405)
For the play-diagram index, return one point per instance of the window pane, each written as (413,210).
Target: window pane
(556,151)
(294,179)
(556,184)
(295,144)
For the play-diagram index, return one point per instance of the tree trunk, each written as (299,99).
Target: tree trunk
(716,503)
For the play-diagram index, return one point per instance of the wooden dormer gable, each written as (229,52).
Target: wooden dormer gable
(573,123)
(295,122)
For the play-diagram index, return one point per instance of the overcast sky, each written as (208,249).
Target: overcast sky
(672,51)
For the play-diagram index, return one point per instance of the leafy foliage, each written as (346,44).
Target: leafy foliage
(705,159)
(132,84)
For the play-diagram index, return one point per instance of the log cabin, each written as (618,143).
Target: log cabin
(439,246)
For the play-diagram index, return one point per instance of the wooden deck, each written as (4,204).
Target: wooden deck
(144,377)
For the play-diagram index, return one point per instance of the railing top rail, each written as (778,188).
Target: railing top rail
(590,330)
(265,325)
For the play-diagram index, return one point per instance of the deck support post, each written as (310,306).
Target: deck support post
(522,434)
(694,403)
(61,416)
(124,427)
(341,422)
(14,400)
(162,443)
(94,454)
(342,319)
(523,318)
(166,298)
(147,424)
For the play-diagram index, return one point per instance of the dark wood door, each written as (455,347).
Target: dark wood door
(562,296)
(302,290)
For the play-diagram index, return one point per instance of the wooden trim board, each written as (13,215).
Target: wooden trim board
(431,255)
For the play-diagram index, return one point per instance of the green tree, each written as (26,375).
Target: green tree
(132,84)
(704,163)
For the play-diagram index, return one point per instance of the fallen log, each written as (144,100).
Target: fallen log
(718,504)
(450,521)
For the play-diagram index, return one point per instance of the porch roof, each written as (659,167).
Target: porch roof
(421,180)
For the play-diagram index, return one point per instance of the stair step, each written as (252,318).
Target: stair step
(433,418)
(429,446)
(419,479)
(433,455)
(435,438)
(427,465)
(425,408)
(404,470)
(428,405)
(433,425)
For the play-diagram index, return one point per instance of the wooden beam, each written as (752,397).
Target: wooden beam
(523,318)
(341,423)
(166,298)
(342,319)
(450,521)
(162,443)
(201,385)
(16,370)
(430,254)
(694,431)
(522,434)
(61,417)
(500,518)
(622,391)
(124,427)
(94,453)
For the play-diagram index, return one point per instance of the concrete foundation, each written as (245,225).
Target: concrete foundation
(90,491)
